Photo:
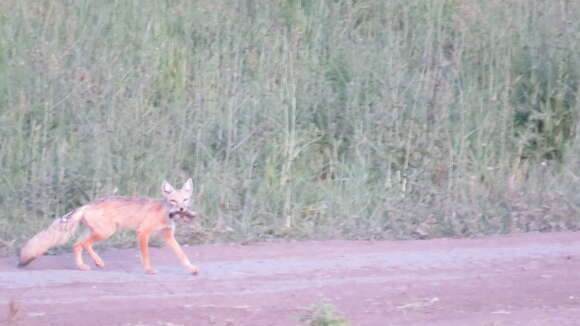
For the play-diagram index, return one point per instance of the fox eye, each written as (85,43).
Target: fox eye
(185,200)
(173,202)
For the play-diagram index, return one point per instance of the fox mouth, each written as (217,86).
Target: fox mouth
(183,214)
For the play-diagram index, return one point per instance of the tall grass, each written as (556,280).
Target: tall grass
(296,118)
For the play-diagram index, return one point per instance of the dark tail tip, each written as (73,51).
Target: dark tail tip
(23,263)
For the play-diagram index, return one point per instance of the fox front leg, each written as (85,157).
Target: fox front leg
(168,236)
(143,240)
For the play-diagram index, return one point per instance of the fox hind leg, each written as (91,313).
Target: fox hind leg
(86,243)
(78,254)
(88,246)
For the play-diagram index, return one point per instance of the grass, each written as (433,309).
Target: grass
(298,119)
(323,314)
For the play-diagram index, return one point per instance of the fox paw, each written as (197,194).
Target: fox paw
(84,267)
(150,271)
(194,270)
(100,264)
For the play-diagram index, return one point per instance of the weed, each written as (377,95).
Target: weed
(323,314)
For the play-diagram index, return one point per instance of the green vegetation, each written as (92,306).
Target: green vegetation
(383,119)
(323,314)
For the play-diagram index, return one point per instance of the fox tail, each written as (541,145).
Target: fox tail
(56,234)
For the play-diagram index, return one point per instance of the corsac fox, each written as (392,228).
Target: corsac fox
(103,216)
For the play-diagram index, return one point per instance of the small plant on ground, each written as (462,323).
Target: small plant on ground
(323,314)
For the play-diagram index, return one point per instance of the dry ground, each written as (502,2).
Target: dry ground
(528,279)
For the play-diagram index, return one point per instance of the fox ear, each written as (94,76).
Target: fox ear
(166,188)
(188,185)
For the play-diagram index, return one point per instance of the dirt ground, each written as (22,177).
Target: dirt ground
(528,279)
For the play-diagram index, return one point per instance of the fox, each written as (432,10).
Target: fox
(103,216)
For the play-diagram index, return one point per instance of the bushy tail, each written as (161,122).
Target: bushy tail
(56,234)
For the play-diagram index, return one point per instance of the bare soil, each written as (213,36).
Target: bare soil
(528,279)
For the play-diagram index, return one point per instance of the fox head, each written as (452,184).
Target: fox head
(180,200)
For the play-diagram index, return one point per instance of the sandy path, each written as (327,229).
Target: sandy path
(531,279)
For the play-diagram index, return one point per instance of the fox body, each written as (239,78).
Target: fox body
(105,215)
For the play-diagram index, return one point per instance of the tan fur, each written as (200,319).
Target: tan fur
(102,218)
